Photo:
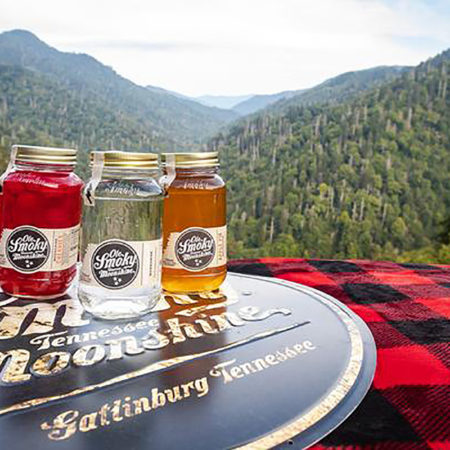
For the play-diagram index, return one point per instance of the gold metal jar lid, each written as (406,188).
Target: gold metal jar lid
(192,160)
(127,160)
(45,155)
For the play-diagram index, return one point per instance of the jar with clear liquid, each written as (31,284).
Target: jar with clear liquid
(121,236)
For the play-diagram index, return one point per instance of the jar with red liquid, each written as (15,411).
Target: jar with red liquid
(40,214)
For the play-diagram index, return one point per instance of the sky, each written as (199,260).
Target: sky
(237,47)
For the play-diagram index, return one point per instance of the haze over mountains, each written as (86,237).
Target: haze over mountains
(258,102)
(222,101)
(333,89)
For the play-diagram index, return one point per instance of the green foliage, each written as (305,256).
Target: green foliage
(365,178)
(444,235)
(438,254)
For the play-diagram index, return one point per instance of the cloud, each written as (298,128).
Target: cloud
(237,46)
(143,46)
(422,43)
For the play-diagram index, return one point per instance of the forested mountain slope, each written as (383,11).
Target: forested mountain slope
(73,98)
(365,178)
(341,87)
(37,110)
(334,89)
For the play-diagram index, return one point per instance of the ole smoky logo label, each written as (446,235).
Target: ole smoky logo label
(27,249)
(195,248)
(115,264)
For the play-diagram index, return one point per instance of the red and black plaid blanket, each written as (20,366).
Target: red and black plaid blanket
(407,307)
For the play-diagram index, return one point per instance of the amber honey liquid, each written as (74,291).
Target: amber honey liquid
(193,202)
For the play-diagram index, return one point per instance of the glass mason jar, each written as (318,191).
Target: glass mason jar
(194,223)
(121,237)
(40,214)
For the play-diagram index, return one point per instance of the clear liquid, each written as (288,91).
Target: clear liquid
(127,220)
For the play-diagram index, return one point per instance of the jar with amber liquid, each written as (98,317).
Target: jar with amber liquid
(194,223)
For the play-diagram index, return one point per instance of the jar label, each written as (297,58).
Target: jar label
(196,249)
(28,249)
(117,264)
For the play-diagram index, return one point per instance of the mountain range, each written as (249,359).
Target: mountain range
(89,92)
(361,172)
(64,98)
(356,166)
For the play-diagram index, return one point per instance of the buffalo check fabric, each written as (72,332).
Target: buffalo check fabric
(407,308)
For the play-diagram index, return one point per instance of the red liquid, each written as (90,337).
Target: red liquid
(43,199)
